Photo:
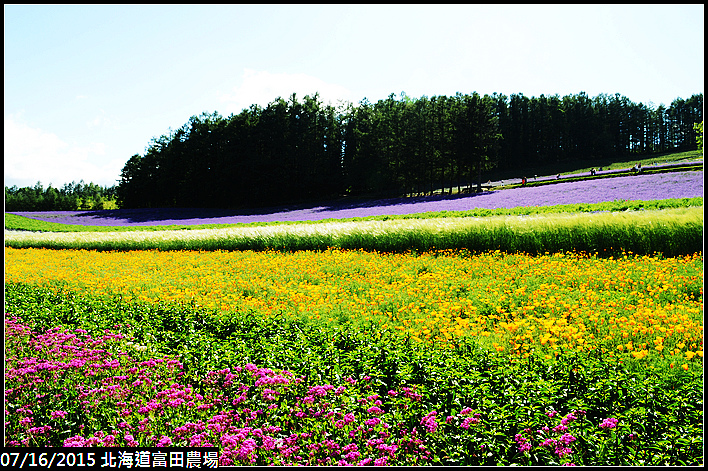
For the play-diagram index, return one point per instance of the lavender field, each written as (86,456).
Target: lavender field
(635,187)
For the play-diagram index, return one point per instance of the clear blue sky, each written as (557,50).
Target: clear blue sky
(86,87)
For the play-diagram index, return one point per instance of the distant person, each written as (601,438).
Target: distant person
(523,181)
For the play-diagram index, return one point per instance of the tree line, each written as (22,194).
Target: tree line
(577,127)
(71,197)
(303,150)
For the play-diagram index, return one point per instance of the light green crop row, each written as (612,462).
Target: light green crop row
(671,232)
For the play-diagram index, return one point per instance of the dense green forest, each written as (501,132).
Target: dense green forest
(71,197)
(293,150)
(303,150)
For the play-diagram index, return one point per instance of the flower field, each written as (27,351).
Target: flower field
(352,356)
(637,187)
(516,303)
(398,357)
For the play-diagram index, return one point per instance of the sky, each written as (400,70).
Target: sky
(89,86)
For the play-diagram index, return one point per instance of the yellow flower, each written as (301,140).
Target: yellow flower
(640,354)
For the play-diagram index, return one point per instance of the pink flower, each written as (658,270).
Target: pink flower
(469,420)
(58,414)
(39,430)
(562,451)
(548,442)
(523,443)
(609,423)
(373,422)
(320,390)
(352,456)
(429,422)
(75,441)
(350,447)
(568,418)
(269,443)
(391,449)
(373,397)
(247,448)
(408,392)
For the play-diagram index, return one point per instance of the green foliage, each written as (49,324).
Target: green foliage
(71,197)
(698,127)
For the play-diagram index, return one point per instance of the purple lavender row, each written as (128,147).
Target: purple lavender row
(635,187)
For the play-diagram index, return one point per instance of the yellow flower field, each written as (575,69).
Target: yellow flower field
(633,307)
